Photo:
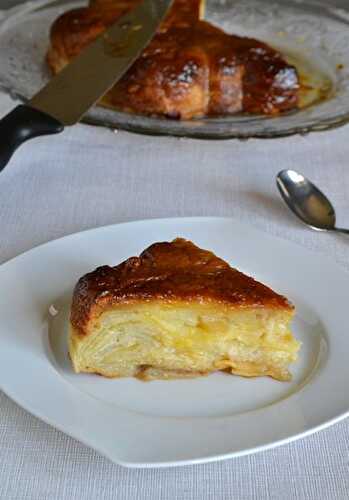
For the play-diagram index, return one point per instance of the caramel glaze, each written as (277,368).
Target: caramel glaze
(190,69)
(170,272)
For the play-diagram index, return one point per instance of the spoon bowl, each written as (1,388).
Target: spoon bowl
(306,201)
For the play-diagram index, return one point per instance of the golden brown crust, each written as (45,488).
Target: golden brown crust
(244,369)
(190,68)
(176,271)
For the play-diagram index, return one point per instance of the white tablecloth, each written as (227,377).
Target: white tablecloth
(89,177)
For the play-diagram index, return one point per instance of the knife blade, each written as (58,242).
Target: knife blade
(90,75)
(71,93)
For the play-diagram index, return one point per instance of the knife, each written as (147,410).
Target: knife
(70,94)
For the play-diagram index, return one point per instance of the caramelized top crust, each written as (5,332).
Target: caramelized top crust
(190,69)
(176,271)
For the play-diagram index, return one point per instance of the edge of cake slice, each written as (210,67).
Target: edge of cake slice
(179,311)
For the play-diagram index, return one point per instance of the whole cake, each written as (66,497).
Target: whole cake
(179,311)
(190,69)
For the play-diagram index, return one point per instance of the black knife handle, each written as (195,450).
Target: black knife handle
(20,125)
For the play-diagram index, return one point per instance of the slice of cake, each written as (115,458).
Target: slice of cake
(179,311)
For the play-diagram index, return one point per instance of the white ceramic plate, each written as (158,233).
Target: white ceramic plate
(185,421)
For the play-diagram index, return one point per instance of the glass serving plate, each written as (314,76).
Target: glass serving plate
(311,34)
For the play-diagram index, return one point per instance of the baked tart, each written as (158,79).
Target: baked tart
(179,311)
(190,69)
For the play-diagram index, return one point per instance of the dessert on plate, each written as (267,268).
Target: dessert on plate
(179,311)
(190,69)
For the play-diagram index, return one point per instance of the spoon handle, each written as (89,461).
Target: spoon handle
(340,230)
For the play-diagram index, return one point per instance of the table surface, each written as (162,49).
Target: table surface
(89,177)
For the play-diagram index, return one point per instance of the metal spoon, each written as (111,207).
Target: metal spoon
(307,201)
